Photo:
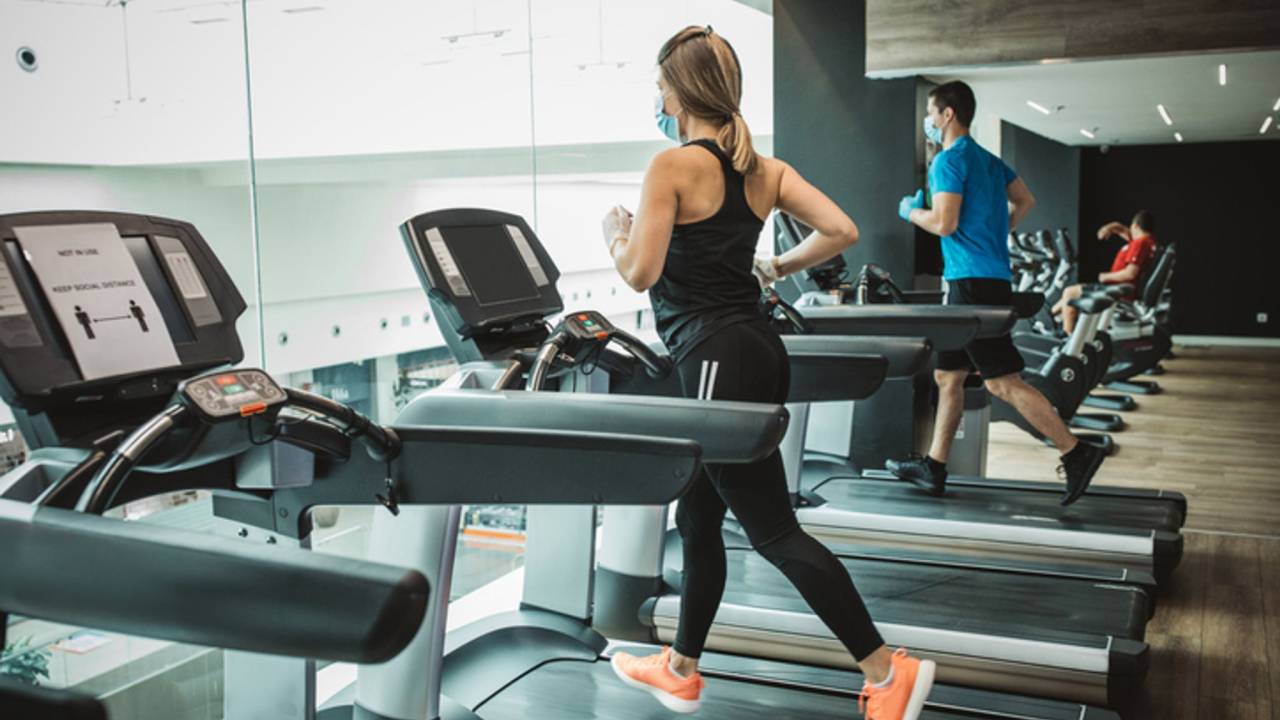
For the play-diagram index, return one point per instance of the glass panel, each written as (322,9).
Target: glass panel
(365,114)
(136,107)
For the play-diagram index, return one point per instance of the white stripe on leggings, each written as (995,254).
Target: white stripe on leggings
(711,382)
(702,380)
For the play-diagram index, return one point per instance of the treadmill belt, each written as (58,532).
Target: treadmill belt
(995,603)
(1002,506)
(574,690)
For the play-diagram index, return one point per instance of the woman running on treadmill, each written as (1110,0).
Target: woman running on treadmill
(691,244)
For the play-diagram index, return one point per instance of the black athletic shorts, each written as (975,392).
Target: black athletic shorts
(992,357)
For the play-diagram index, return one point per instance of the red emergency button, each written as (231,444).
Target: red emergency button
(602,335)
(583,317)
(226,380)
(252,409)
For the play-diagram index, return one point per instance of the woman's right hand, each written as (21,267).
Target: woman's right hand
(616,224)
(766,271)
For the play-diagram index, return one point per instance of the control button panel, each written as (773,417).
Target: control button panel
(527,254)
(233,394)
(448,266)
(587,325)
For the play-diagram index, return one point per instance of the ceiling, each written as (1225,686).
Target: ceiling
(1116,99)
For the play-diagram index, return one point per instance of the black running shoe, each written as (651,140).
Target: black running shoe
(1078,468)
(925,473)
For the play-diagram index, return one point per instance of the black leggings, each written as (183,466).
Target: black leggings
(747,362)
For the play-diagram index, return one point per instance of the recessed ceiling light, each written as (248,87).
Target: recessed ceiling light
(1038,107)
(1266,124)
(1276,107)
(1165,114)
(1222,74)
(1177,136)
(1087,134)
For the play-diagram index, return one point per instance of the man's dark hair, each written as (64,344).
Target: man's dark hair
(959,97)
(1145,220)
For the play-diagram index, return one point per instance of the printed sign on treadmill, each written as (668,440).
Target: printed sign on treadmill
(99,298)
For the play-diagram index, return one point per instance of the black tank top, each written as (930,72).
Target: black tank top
(707,283)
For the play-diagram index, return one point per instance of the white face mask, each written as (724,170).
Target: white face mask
(931,131)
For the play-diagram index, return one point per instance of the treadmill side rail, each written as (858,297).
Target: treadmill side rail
(219,591)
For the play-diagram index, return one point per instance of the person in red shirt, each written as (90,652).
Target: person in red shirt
(1128,267)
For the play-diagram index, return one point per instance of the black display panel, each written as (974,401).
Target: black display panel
(148,266)
(489,261)
(39,376)
(161,290)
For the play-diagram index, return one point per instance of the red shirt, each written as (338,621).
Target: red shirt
(1137,251)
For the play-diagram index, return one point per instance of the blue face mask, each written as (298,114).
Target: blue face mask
(666,123)
(932,132)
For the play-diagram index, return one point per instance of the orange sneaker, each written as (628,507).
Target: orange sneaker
(653,675)
(904,698)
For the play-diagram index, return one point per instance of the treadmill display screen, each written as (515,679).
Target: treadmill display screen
(491,264)
(148,267)
(161,289)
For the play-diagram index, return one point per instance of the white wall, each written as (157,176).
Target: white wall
(360,77)
(364,114)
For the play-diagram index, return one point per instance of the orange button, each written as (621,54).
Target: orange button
(582,317)
(227,380)
(252,409)
(602,335)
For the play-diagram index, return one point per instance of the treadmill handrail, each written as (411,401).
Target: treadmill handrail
(905,356)
(144,579)
(946,327)
(526,466)
(727,431)
(34,702)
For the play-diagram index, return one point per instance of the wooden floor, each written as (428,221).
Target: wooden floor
(1214,435)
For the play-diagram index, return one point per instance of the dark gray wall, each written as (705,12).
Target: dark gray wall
(1052,171)
(857,140)
(853,138)
(1216,202)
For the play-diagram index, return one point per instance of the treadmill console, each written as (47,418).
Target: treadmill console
(484,270)
(232,394)
(587,326)
(101,311)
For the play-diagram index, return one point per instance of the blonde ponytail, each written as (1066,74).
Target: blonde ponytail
(735,138)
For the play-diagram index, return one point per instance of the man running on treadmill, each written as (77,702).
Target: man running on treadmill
(1130,263)
(976,200)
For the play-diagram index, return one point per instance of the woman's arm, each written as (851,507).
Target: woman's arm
(639,257)
(833,230)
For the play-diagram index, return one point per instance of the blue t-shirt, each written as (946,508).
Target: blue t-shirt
(979,246)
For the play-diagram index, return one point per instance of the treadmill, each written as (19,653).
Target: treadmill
(474,440)
(140,578)
(1132,531)
(463,258)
